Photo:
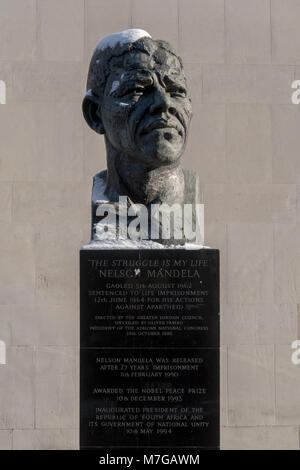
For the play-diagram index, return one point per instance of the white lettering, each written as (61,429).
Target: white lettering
(296,354)
(2,92)
(296,94)
(2,352)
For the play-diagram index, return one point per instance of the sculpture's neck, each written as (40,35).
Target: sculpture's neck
(127,177)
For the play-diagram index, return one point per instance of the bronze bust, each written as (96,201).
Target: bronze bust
(137,97)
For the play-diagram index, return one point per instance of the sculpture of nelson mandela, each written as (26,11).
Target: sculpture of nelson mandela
(137,97)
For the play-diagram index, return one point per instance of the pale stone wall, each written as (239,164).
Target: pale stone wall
(241,57)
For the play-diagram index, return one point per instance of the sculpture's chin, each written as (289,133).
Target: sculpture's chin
(162,151)
(157,157)
(165,158)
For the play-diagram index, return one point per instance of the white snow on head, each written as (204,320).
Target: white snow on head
(124,37)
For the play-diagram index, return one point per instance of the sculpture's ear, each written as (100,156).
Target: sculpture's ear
(91,112)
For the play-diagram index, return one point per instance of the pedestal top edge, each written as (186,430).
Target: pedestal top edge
(175,248)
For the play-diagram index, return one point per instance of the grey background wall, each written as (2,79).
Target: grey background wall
(241,57)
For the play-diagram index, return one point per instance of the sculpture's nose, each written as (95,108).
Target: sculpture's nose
(161,102)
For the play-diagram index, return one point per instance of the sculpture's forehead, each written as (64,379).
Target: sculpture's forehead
(161,62)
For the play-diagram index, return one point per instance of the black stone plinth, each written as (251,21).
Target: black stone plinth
(149,362)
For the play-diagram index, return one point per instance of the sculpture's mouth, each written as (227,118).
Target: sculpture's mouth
(163,125)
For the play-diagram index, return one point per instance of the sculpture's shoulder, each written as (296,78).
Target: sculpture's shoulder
(99,185)
(192,188)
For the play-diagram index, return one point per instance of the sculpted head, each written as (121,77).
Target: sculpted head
(136,96)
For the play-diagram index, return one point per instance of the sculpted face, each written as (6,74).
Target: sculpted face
(145,110)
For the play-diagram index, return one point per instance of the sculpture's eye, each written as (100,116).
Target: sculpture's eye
(179,92)
(129,91)
(137,90)
(134,84)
